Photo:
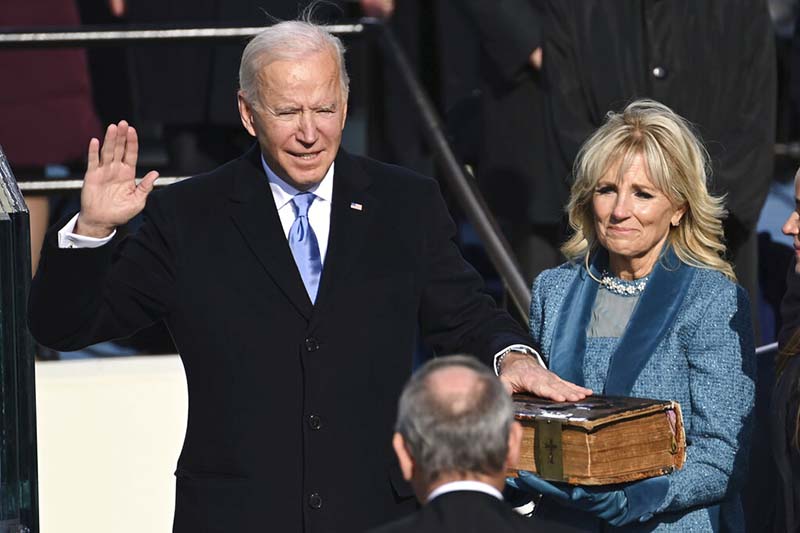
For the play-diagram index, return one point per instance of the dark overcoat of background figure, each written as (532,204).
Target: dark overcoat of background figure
(513,167)
(712,62)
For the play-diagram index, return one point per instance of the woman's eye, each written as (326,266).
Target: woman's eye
(644,195)
(605,189)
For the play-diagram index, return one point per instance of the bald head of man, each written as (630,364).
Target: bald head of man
(455,423)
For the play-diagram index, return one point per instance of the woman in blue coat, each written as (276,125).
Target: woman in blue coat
(648,307)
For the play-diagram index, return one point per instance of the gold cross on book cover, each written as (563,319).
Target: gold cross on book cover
(600,440)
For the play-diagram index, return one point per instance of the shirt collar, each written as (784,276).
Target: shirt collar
(283,192)
(475,486)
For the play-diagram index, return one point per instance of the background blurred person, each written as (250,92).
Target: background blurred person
(785,406)
(648,307)
(45,105)
(513,169)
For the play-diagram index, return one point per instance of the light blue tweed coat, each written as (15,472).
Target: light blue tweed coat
(704,359)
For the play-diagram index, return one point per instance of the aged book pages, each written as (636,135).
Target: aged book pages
(600,440)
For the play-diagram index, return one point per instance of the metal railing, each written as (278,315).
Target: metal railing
(461,183)
(62,185)
(767,350)
(65,37)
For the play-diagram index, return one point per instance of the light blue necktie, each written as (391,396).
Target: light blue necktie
(303,243)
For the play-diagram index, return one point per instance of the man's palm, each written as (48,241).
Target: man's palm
(110,196)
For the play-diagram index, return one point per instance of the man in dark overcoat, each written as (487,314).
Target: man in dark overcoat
(293,280)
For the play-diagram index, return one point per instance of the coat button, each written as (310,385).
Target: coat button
(315,422)
(311,344)
(659,73)
(315,500)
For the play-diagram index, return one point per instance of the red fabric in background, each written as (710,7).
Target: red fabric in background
(46,110)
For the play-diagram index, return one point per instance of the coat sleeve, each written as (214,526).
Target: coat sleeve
(84,296)
(569,116)
(721,358)
(456,315)
(743,167)
(510,30)
(537,314)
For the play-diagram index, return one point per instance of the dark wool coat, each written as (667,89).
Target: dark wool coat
(291,405)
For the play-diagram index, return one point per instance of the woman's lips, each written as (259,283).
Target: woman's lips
(616,229)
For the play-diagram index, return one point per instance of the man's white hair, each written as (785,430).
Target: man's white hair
(290,40)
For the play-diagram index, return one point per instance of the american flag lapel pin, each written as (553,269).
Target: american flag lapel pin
(357,206)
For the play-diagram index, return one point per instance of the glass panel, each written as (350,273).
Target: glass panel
(18,487)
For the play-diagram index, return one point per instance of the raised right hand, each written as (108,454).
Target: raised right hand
(110,196)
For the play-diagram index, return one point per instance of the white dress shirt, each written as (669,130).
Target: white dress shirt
(319,214)
(475,486)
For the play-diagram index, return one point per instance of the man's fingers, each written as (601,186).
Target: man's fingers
(131,148)
(564,391)
(507,384)
(146,185)
(546,384)
(107,150)
(121,140)
(93,156)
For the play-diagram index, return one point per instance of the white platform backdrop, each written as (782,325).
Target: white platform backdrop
(109,432)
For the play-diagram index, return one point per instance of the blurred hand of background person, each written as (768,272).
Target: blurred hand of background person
(536,58)
(381,9)
(117,7)
(110,196)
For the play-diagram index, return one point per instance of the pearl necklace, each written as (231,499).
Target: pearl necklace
(623,287)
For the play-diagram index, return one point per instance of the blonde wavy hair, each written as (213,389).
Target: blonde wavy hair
(677,164)
(792,349)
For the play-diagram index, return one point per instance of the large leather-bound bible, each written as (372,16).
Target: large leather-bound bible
(600,440)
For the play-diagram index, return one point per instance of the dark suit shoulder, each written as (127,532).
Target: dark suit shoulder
(462,512)
(213,184)
(389,171)
(394,178)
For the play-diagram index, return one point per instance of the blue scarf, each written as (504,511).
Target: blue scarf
(655,312)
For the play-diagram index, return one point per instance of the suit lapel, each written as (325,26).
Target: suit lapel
(652,318)
(252,209)
(352,212)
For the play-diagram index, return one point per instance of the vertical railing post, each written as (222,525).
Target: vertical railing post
(19,505)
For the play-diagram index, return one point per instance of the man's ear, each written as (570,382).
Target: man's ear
(514,443)
(344,114)
(403,456)
(246,114)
